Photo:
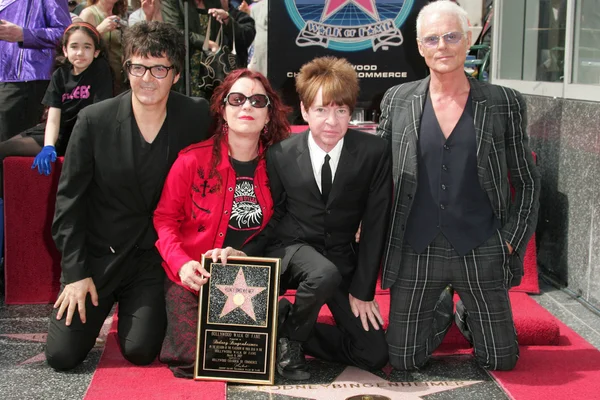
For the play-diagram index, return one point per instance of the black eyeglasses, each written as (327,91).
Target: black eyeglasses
(256,100)
(449,38)
(157,71)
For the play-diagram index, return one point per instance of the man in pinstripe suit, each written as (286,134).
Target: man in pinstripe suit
(455,141)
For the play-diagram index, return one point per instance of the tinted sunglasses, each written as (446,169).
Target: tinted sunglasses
(449,38)
(238,99)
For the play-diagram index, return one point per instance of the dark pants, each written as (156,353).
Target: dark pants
(318,282)
(20,106)
(141,313)
(480,278)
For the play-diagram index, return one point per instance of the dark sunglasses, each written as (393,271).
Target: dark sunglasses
(256,100)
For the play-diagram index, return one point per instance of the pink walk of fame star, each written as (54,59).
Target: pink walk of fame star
(239,295)
(333,6)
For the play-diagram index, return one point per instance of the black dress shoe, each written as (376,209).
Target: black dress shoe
(443,314)
(291,363)
(461,319)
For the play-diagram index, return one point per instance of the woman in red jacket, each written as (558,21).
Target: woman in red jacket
(216,199)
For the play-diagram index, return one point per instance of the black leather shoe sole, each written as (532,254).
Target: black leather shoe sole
(461,318)
(293,374)
(444,310)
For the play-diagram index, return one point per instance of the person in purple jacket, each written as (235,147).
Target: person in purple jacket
(29,32)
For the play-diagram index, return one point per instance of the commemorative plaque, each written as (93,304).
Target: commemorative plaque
(237,320)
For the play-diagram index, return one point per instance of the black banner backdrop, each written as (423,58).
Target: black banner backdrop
(377,36)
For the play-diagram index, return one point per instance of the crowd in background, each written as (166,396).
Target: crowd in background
(24,85)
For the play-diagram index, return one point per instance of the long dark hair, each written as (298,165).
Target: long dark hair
(277,129)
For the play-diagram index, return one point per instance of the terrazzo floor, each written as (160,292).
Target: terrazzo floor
(24,373)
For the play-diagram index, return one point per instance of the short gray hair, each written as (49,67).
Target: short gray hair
(444,7)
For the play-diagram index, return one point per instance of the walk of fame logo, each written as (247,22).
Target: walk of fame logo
(349,25)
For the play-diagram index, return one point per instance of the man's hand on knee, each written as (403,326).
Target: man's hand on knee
(367,311)
(73,297)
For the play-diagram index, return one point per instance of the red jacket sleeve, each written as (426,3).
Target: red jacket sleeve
(170,213)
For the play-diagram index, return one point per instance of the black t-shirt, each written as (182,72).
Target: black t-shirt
(150,162)
(72,93)
(246,213)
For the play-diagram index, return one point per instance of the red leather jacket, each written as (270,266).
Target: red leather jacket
(192,217)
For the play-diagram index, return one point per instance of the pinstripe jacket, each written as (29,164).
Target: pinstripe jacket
(502,149)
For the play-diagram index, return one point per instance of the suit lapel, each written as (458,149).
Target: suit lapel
(413,122)
(124,119)
(305,165)
(347,160)
(483,122)
(172,127)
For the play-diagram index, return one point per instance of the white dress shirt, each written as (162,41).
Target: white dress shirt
(317,157)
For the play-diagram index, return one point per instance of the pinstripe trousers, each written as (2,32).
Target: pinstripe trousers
(480,278)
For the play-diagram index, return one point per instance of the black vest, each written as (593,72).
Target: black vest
(449,198)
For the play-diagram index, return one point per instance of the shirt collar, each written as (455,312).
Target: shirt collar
(318,154)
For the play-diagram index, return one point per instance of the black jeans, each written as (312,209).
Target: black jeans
(141,313)
(318,282)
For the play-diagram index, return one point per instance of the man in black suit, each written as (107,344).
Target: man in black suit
(324,182)
(115,165)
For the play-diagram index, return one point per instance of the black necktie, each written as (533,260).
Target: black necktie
(326,179)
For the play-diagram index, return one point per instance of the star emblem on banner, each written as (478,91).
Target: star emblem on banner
(356,383)
(333,6)
(239,295)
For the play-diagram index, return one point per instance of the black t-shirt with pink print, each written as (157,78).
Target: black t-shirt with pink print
(71,93)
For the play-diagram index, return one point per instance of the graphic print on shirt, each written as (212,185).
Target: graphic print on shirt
(246,213)
(80,92)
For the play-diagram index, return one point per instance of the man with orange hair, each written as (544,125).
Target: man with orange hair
(324,182)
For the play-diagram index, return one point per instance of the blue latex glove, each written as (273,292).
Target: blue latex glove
(43,159)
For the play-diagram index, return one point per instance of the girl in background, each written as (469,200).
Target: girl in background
(83,78)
